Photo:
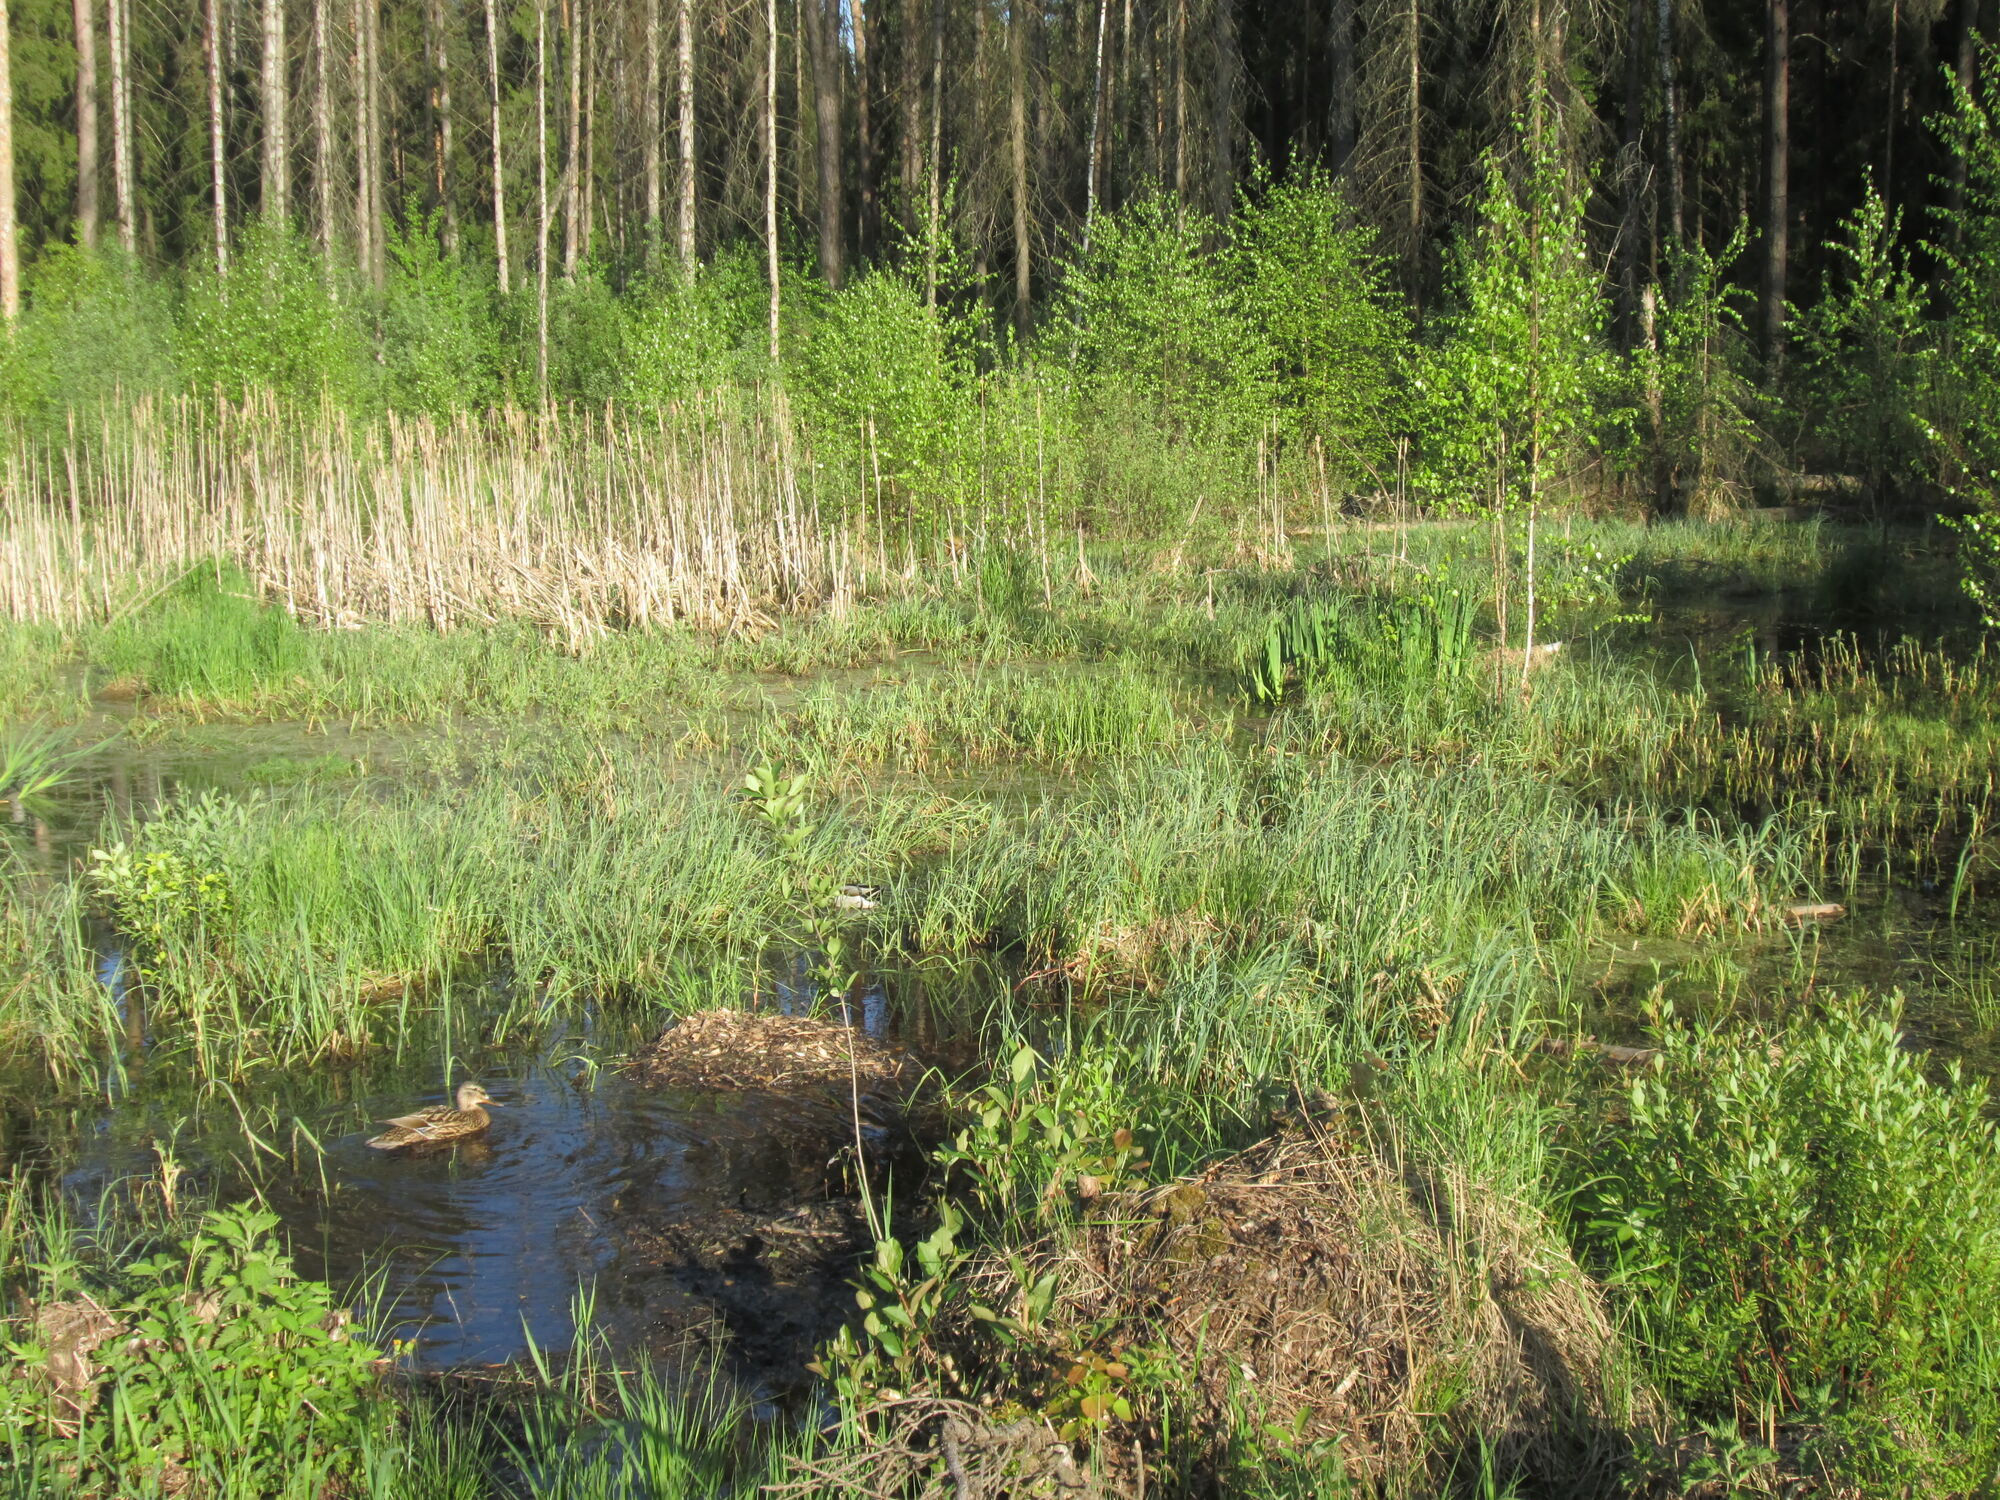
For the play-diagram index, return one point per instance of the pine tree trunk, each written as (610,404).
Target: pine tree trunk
(1777,178)
(1096,128)
(587,161)
(821,21)
(684,47)
(1225,101)
(1017,132)
(10,249)
(364,194)
(120,39)
(218,143)
(542,214)
(771,164)
(572,172)
(1341,114)
(912,91)
(378,193)
(864,156)
(322,113)
(653,137)
(1413,125)
(274,184)
(86,121)
(499,173)
(1633,179)
(1670,119)
(440,98)
(934,194)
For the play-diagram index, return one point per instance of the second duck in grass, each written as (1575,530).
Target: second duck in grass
(460,1121)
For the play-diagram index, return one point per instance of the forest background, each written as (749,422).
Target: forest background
(1460,253)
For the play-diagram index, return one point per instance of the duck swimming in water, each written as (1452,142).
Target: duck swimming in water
(440,1123)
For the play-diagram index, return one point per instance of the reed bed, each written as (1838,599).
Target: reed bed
(577,521)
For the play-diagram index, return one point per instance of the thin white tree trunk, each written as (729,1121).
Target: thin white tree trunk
(121,126)
(441,127)
(378,240)
(542,199)
(685,60)
(499,174)
(275,186)
(10,250)
(1096,128)
(653,137)
(84,21)
(364,159)
(218,143)
(322,113)
(771,163)
(572,172)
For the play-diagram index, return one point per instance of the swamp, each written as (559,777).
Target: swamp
(979,751)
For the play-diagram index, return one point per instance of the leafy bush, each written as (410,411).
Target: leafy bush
(1318,294)
(223,1373)
(94,336)
(1807,1221)
(439,339)
(273,324)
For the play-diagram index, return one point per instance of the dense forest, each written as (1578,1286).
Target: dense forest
(1320,240)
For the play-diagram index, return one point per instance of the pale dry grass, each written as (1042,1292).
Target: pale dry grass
(577,521)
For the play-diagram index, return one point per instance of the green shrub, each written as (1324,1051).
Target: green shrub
(227,1375)
(95,335)
(439,339)
(1807,1220)
(273,324)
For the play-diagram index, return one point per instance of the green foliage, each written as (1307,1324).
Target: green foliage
(884,383)
(1867,355)
(170,884)
(208,637)
(271,325)
(439,338)
(1160,332)
(1805,1220)
(1316,293)
(679,339)
(1508,393)
(1407,644)
(1700,402)
(95,335)
(228,1375)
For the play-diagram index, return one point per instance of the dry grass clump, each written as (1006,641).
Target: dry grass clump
(1315,1284)
(735,1049)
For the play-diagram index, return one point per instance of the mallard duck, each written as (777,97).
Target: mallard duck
(440,1123)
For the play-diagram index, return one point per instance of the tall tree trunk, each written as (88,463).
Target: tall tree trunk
(1670,164)
(1413,125)
(684,47)
(542,214)
(1096,127)
(912,92)
(322,119)
(218,143)
(1633,178)
(1777,178)
(572,172)
(119,37)
(771,164)
(499,174)
(86,121)
(378,191)
(1342,117)
(1019,13)
(1225,100)
(587,160)
(364,157)
(821,20)
(273,94)
(441,120)
(1178,49)
(1965,64)
(934,175)
(10,250)
(653,138)
(864,129)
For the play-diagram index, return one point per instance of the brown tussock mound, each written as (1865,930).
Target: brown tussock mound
(1314,1283)
(734,1049)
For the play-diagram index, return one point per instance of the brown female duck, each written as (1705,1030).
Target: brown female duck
(440,1123)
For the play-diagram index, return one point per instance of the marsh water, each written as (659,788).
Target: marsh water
(661,1200)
